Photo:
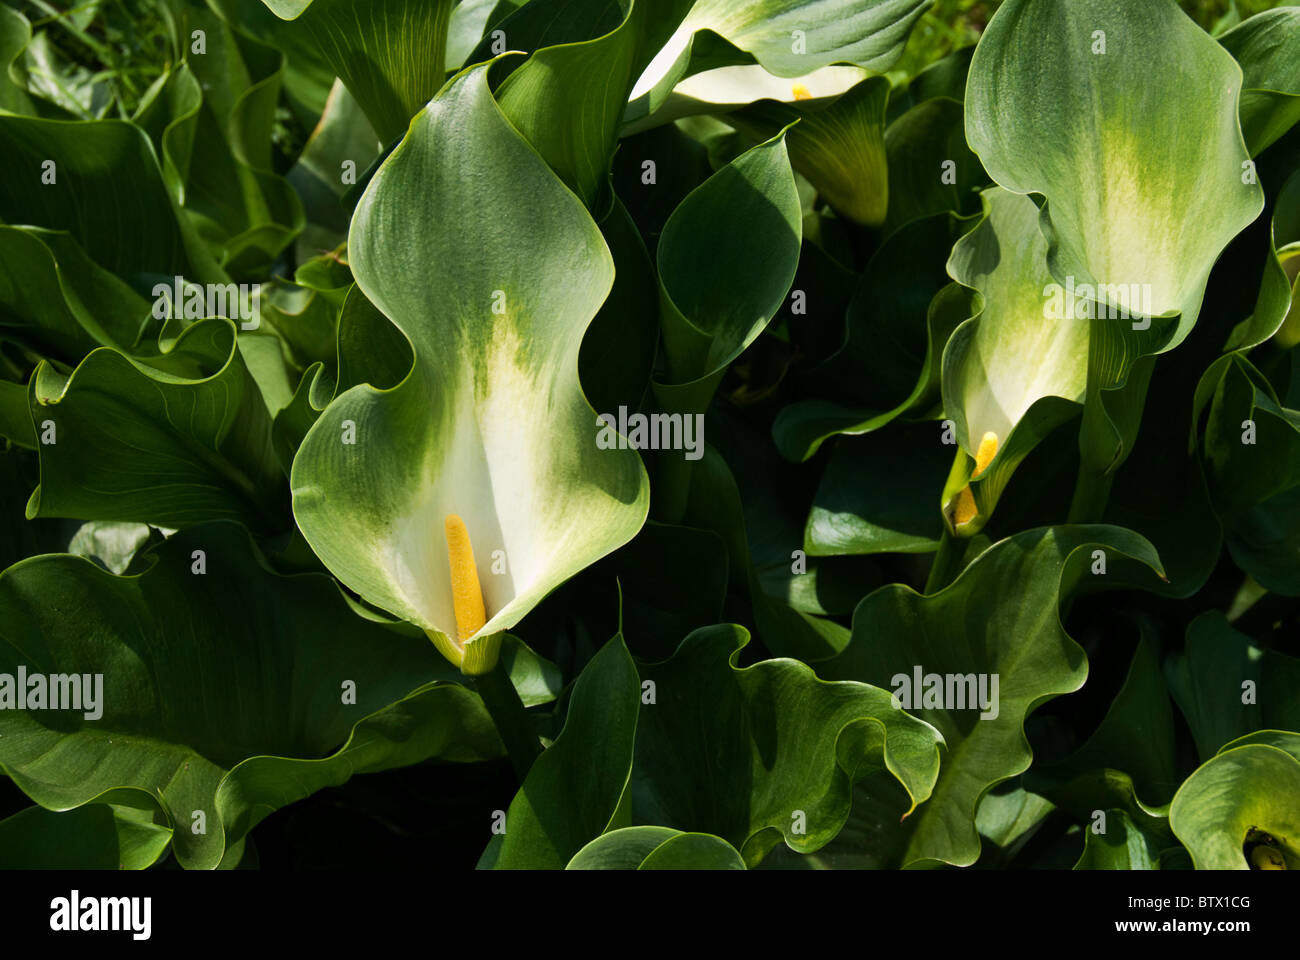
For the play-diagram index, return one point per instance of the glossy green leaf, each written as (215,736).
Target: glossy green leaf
(897,323)
(58,302)
(930,167)
(1123,846)
(389,54)
(15,34)
(1130,761)
(1001,618)
(618,349)
(1226,686)
(107,188)
(1252,460)
(713,307)
(267,720)
(656,848)
(246,212)
(715,504)
(174,439)
(878,494)
(839,147)
(1267,46)
(112,544)
(720,286)
(576,787)
(97,836)
(693,851)
(568,98)
(341,147)
(766,752)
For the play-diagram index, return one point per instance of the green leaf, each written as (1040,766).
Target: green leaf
(1130,761)
(107,187)
(307,76)
(470,21)
(919,147)
(342,136)
(1009,818)
(693,851)
(944,78)
(1123,846)
(878,494)
(574,789)
(747,218)
(58,302)
(1268,48)
(1277,309)
(661,597)
(726,259)
(1163,494)
(16,415)
(20,537)
(174,439)
(899,319)
(1251,785)
(715,504)
(390,53)
(69,86)
(490,423)
(618,350)
(291,423)
(656,848)
(1251,454)
(1211,678)
(370,349)
(98,836)
(568,98)
(839,147)
(234,709)
(212,119)
(766,752)
(1000,618)
(15,34)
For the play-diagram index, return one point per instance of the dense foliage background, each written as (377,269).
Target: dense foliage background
(797,264)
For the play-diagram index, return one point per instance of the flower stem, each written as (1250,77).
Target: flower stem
(946,558)
(1091,493)
(512,723)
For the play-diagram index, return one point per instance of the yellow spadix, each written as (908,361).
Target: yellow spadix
(467,602)
(988,449)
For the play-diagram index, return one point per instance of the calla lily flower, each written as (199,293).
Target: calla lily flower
(1015,370)
(460,497)
(1121,233)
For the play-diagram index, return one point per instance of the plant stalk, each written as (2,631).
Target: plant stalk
(1091,493)
(512,723)
(945,558)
